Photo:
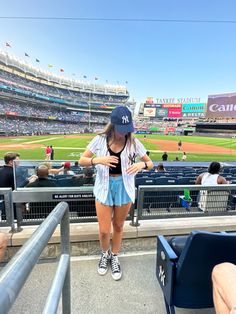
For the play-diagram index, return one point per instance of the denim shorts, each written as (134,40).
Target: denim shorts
(117,194)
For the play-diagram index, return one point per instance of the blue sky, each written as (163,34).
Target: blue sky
(158,59)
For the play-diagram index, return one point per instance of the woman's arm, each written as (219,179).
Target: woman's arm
(145,163)
(87,159)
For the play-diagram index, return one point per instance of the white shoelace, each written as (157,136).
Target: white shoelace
(115,265)
(103,261)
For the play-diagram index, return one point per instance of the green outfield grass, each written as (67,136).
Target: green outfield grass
(71,148)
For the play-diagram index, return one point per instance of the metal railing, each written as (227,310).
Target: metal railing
(15,273)
(6,208)
(41,201)
(166,201)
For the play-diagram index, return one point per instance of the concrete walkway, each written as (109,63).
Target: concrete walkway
(137,292)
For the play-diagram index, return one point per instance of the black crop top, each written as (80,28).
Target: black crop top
(117,169)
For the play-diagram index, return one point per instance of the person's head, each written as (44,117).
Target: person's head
(148,153)
(50,146)
(121,123)
(76,164)
(88,172)
(176,158)
(165,153)
(214,167)
(48,165)
(184,153)
(160,167)
(67,165)
(42,171)
(9,157)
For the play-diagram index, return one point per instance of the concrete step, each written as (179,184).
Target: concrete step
(138,291)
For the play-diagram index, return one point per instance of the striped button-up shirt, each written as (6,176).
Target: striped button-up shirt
(98,146)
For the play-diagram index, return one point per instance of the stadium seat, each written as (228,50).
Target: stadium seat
(144,181)
(184,266)
(186,180)
(165,181)
(233,171)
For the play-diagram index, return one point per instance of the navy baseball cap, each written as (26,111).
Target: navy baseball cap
(121,118)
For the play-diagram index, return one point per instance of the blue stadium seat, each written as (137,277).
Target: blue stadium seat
(184,274)
(233,171)
(228,170)
(186,180)
(165,181)
(144,181)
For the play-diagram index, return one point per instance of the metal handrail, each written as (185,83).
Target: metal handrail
(7,194)
(142,189)
(15,273)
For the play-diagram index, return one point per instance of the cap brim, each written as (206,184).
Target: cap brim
(124,128)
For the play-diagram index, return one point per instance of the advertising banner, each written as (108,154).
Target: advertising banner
(193,114)
(197,107)
(149,112)
(172,106)
(161,113)
(174,113)
(221,106)
(170,129)
(152,105)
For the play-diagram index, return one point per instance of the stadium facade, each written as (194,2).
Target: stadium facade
(36,101)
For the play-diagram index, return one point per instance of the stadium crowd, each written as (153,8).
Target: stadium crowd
(64,92)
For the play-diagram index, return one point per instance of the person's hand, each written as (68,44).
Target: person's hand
(109,161)
(136,167)
(32,178)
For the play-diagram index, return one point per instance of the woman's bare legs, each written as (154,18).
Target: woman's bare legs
(104,215)
(224,287)
(119,216)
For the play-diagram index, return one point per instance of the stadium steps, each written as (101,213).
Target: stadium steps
(137,292)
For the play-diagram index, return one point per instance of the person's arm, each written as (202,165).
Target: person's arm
(199,179)
(55,171)
(221,180)
(88,159)
(145,163)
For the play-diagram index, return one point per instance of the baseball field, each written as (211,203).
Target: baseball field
(69,147)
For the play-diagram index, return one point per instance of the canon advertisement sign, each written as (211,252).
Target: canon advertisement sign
(221,106)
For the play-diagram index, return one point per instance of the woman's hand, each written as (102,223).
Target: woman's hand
(136,167)
(110,161)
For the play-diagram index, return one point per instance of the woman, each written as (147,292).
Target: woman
(115,151)
(160,168)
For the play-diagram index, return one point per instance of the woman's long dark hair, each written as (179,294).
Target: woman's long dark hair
(109,132)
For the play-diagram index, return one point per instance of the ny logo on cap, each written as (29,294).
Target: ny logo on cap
(125,119)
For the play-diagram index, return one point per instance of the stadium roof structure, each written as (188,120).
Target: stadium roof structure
(25,67)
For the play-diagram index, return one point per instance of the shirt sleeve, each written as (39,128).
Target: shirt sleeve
(140,149)
(94,144)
